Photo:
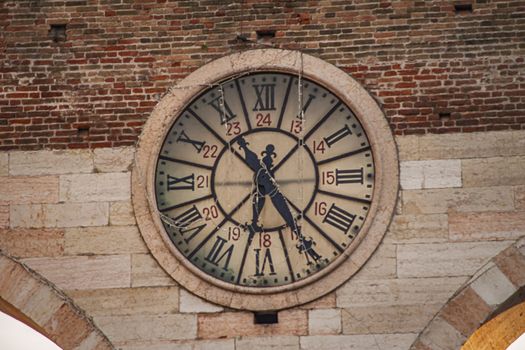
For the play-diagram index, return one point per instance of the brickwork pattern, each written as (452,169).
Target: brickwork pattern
(443,233)
(431,68)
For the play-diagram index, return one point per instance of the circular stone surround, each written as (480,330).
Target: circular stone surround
(294,62)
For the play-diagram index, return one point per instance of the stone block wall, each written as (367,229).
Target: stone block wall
(67,214)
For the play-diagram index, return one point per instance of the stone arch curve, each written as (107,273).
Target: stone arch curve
(56,316)
(476,301)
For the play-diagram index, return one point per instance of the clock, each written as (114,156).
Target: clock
(263,187)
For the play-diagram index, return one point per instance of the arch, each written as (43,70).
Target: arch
(38,303)
(493,289)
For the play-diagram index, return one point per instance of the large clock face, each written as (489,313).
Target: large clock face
(264,180)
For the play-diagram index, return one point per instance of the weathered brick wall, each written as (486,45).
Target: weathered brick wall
(433,69)
(68,215)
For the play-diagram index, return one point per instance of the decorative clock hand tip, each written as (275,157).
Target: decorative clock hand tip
(242,142)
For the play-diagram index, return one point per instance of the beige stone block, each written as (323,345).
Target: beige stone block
(493,287)
(32,242)
(408,147)
(215,344)
(420,174)
(19,288)
(441,335)
(24,189)
(42,304)
(382,264)
(59,215)
(190,303)
(115,159)
(127,301)
(499,171)
(121,213)
(104,240)
(407,291)
(520,197)
(50,162)
(440,201)
(512,263)
(4,164)
(445,259)
(84,272)
(418,228)
(67,328)
(102,187)
(456,146)
(237,324)
(388,319)
(4,216)
(466,312)
(147,327)
(358,342)
(267,343)
(94,341)
(146,272)
(486,226)
(324,321)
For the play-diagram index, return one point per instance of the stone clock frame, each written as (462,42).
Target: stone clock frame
(268,298)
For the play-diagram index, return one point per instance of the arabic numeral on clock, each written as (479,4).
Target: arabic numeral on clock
(296,126)
(265,240)
(342,176)
(209,151)
(210,213)
(203,181)
(233,128)
(319,147)
(320,208)
(328,177)
(234,233)
(263,120)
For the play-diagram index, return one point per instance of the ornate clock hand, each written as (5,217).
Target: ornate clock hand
(266,184)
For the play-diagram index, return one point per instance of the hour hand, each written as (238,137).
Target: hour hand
(250,157)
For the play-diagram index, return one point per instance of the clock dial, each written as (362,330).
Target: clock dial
(264,180)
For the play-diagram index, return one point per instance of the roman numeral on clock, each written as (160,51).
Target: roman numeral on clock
(183,137)
(184,220)
(224,110)
(259,270)
(339,218)
(348,176)
(338,135)
(265,94)
(217,253)
(305,107)
(183,183)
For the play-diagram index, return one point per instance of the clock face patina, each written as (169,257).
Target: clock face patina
(264,180)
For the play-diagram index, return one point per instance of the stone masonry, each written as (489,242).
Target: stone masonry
(67,215)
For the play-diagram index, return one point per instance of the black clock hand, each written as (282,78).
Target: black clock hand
(265,180)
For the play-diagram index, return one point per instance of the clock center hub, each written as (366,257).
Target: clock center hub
(272,167)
